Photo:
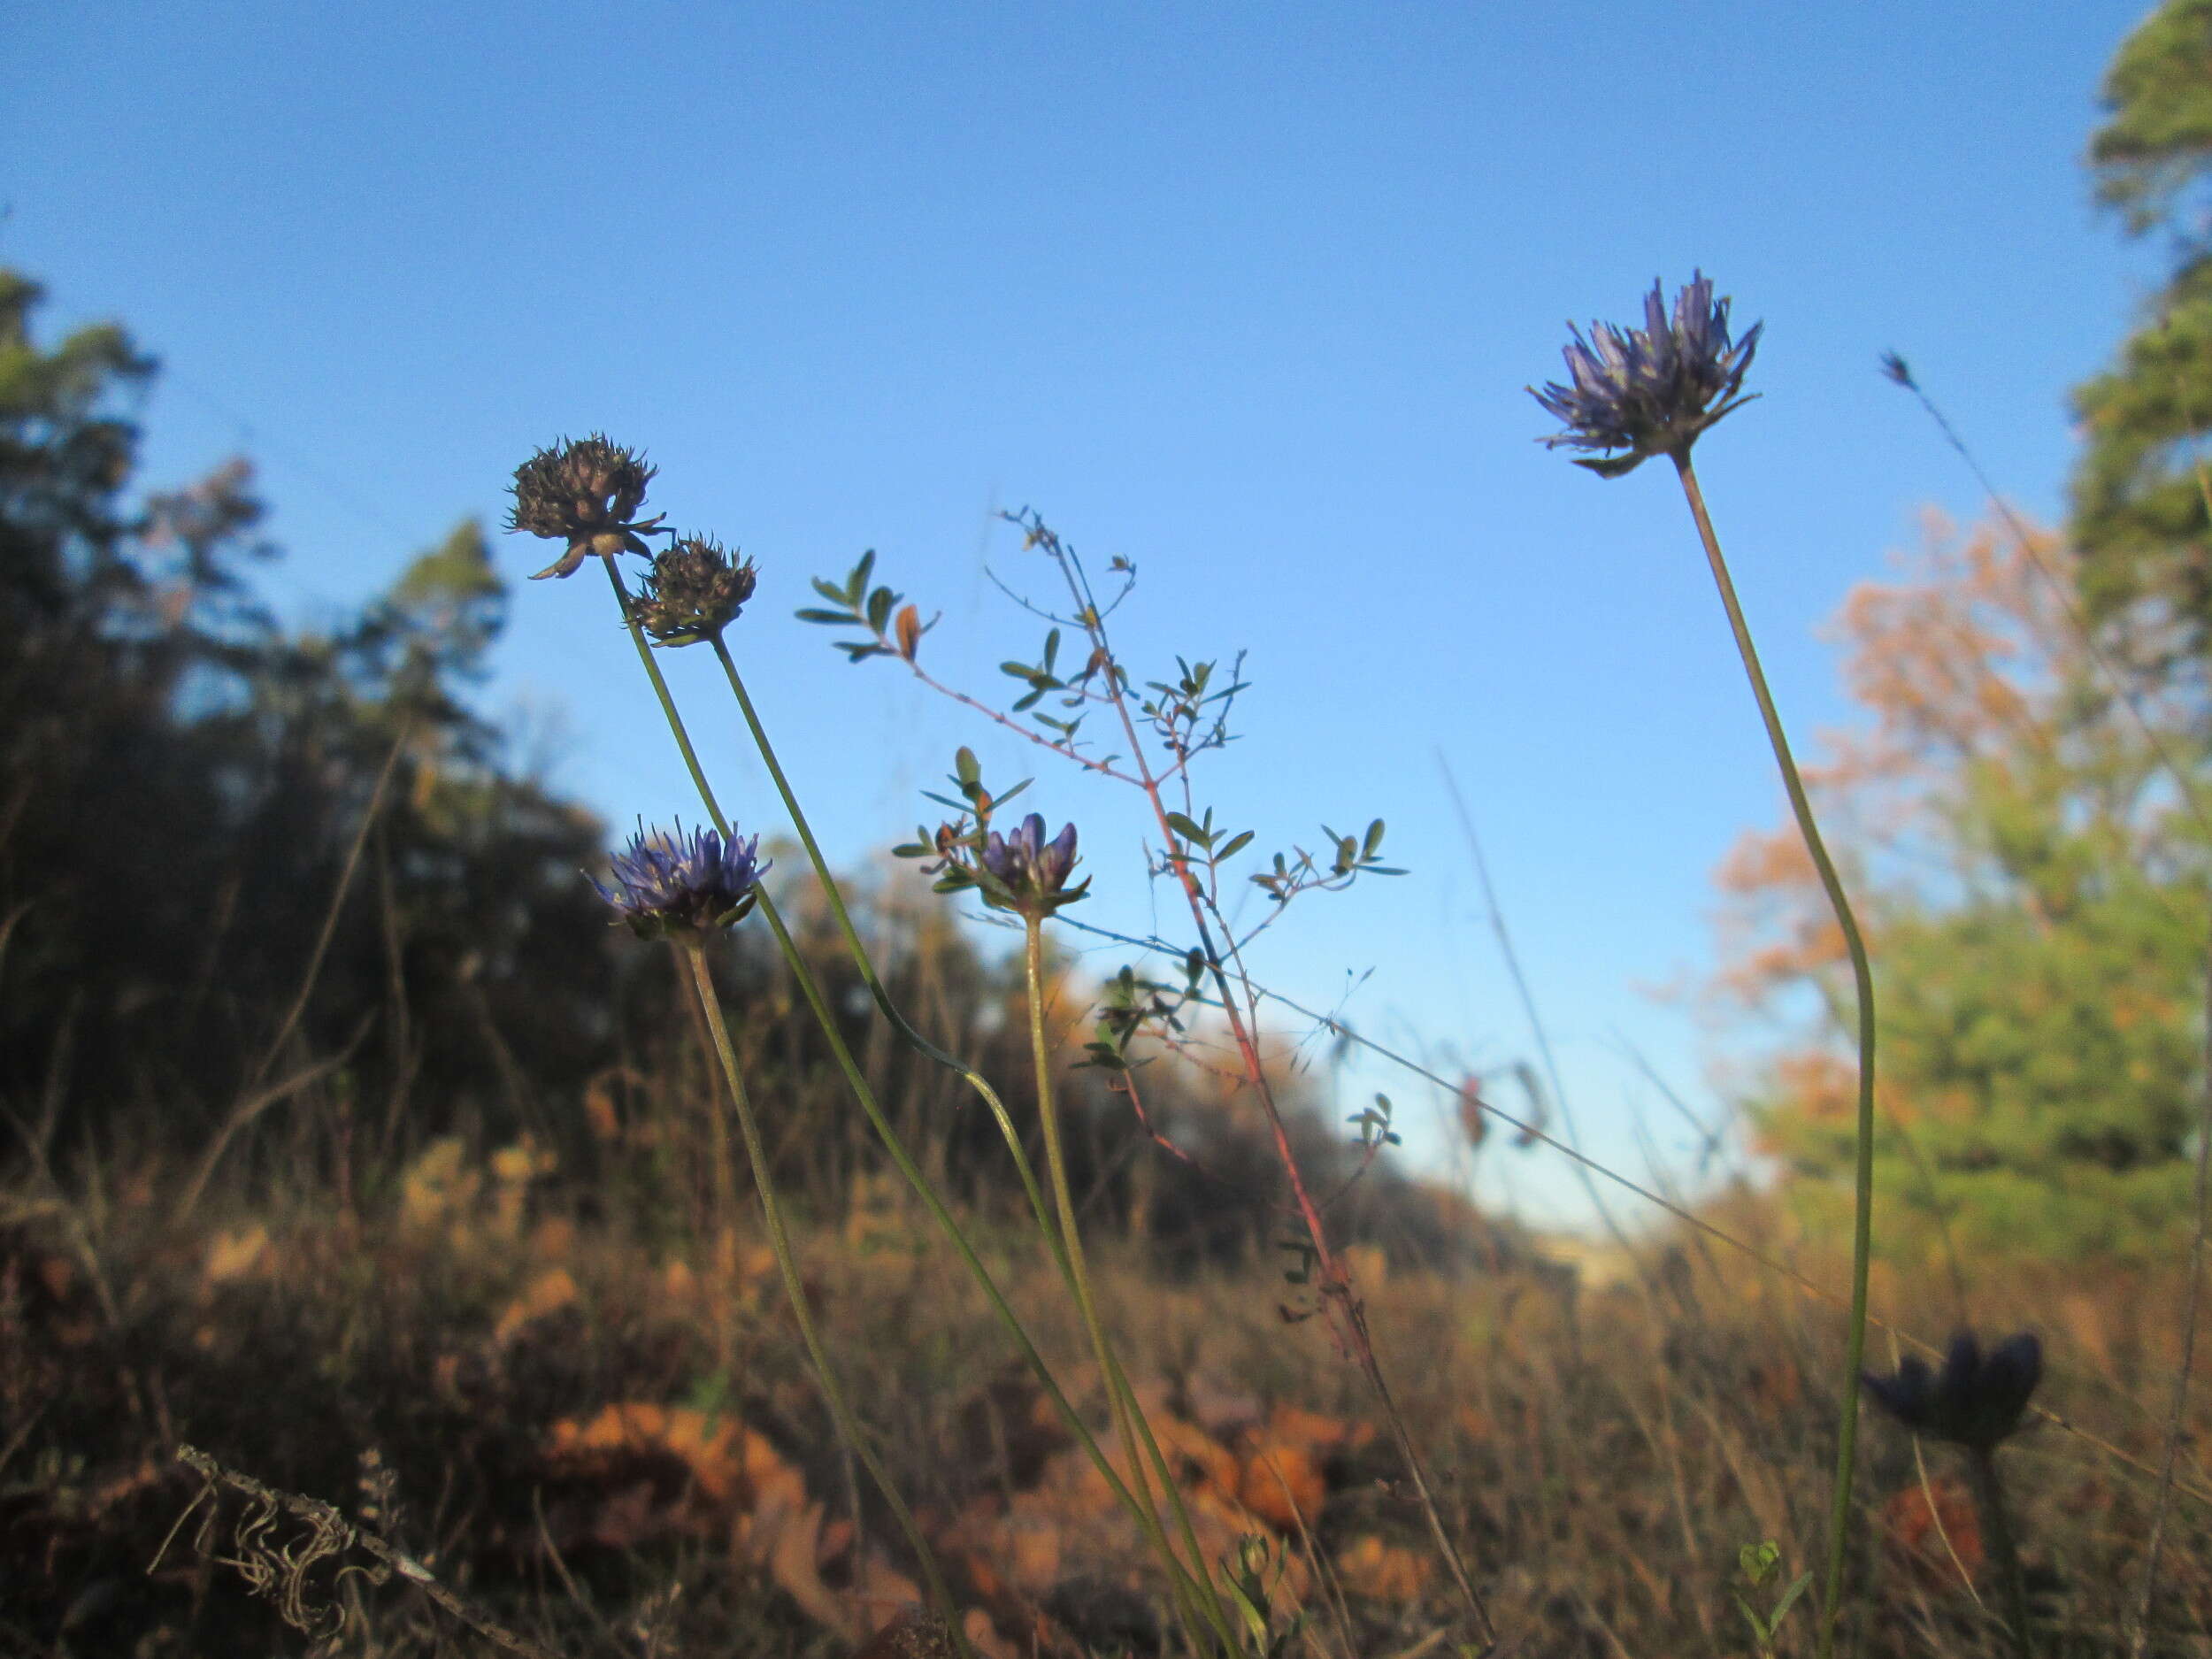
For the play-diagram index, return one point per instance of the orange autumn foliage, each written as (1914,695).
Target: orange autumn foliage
(1914,1534)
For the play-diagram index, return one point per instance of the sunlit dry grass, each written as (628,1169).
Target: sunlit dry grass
(607,1441)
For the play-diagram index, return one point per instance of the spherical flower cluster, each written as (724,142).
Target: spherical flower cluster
(671,884)
(1027,874)
(1652,390)
(1977,1400)
(693,592)
(586,492)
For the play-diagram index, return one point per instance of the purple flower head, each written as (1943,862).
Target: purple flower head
(1650,391)
(675,884)
(1025,873)
(586,492)
(1977,1400)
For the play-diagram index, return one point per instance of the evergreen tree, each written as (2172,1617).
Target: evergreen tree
(2034,890)
(2140,516)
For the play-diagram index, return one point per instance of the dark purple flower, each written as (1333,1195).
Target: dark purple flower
(673,883)
(1026,874)
(1651,390)
(587,491)
(1977,1400)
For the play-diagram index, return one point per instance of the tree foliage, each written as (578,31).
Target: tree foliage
(186,784)
(190,797)
(2033,887)
(2140,516)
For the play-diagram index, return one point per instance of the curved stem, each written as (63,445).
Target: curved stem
(940,1213)
(1116,1381)
(1347,1312)
(832,1391)
(858,950)
(1862,977)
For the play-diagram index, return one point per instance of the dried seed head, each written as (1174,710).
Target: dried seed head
(587,491)
(694,591)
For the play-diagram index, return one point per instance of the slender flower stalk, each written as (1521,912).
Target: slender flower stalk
(1654,391)
(687,889)
(849,1427)
(1194,1583)
(1064,1197)
(1194,1589)
(1862,985)
(1221,957)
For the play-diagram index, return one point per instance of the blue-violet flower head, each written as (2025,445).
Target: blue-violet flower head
(1025,873)
(1977,1400)
(1650,391)
(680,884)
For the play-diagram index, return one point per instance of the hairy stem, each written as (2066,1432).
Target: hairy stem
(1862,977)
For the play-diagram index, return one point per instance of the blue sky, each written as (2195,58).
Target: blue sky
(1246,293)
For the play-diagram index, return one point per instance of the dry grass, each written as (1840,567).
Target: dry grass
(609,1444)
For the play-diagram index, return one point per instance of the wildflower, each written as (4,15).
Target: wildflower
(1975,1401)
(668,884)
(693,592)
(1025,873)
(1652,390)
(588,491)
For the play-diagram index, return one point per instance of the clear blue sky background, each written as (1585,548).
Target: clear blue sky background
(1248,293)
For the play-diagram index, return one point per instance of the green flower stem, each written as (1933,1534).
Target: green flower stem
(1989,1499)
(1862,977)
(912,1172)
(840,1410)
(859,950)
(1117,1381)
(668,703)
(1078,1268)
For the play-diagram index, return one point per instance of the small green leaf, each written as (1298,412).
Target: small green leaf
(1237,844)
(964,764)
(1373,842)
(1798,1587)
(1186,828)
(835,619)
(879,604)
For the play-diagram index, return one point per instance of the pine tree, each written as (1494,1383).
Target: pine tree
(2140,516)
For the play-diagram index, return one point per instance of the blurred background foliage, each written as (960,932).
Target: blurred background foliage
(289,902)
(2030,813)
